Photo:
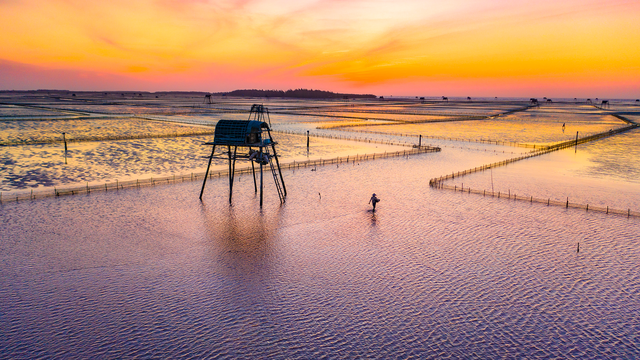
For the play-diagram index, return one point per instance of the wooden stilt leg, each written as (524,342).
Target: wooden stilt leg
(253,170)
(204,182)
(230,175)
(261,178)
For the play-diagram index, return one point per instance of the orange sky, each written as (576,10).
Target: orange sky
(429,48)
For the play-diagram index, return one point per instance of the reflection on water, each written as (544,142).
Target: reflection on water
(242,244)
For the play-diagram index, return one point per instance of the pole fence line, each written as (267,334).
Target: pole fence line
(567,204)
(16,196)
(535,147)
(563,145)
(343,137)
(438,183)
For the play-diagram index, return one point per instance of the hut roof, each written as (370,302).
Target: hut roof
(239,132)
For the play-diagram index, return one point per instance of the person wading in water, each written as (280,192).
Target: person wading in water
(374,200)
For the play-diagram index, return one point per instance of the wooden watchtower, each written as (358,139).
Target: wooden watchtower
(256,144)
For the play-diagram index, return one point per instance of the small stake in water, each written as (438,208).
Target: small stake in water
(65,147)
(578,250)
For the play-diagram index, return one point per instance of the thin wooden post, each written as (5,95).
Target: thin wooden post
(64,138)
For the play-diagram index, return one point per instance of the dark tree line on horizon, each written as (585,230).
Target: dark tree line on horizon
(297,93)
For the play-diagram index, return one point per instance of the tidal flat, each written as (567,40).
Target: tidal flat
(432,273)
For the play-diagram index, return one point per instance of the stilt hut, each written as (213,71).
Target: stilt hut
(256,144)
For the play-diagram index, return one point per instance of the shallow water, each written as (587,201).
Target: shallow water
(34,166)
(97,129)
(600,173)
(523,127)
(19,111)
(155,273)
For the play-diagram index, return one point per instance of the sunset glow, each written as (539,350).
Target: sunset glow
(461,47)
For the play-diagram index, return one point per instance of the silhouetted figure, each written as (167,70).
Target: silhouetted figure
(533,102)
(604,104)
(373,201)
(469,98)
(562,127)
(207,99)
(589,101)
(549,100)
(444,98)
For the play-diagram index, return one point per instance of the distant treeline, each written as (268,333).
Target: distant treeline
(298,93)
